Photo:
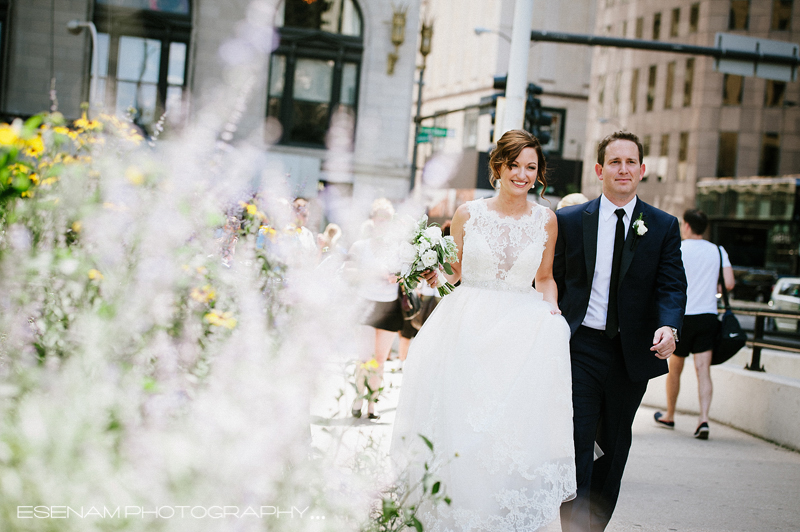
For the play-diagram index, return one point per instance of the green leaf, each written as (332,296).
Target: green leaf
(389,510)
(417,524)
(427,442)
(435,488)
(448,269)
(447,500)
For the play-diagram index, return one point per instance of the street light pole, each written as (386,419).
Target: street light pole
(75,27)
(424,50)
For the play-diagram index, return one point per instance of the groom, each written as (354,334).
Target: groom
(622,289)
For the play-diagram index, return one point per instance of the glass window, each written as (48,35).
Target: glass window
(781,15)
(617,89)
(770,154)
(774,93)
(640,28)
(726,159)
(732,89)
(646,141)
(739,16)
(164,6)
(688,82)
(790,289)
(634,89)
(664,145)
(656,26)
(673,25)
(670,85)
(315,69)
(694,18)
(651,88)
(470,139)
(683,148)
(624,28)
(334,16)
(142,59)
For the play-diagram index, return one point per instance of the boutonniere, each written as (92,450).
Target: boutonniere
(639,229)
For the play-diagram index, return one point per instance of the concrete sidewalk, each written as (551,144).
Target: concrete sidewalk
(733,482)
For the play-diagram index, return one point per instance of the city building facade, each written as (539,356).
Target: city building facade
(721,141)
(327,60)
(470,47)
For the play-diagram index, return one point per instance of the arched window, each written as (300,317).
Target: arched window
(142,51)
(316,67)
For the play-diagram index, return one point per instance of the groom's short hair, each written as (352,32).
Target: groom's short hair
(619,135)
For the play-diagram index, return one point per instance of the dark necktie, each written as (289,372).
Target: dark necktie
(612,318)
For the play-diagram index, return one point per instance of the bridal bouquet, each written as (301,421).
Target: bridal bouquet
(427,250)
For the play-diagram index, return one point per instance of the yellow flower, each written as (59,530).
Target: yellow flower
(370,364)
(204,294)
(84,123)
(201,270)
(95,274)
(61,130)
(251,209)
(221,320)
(112,207)
(8,135)
(27,194)
(35,147)
(134,175)
(34,178)
(76,226)
(49,181)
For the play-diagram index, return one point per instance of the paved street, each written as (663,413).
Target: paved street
(733,482)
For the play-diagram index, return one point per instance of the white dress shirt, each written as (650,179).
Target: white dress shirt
(606,231)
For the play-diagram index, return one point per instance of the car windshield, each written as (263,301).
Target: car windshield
(792,289)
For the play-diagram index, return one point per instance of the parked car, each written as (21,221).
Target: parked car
(753,284)
(785,296)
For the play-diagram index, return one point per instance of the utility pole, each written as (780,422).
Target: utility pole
(517,67)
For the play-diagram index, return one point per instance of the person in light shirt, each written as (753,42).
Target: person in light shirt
(701,259)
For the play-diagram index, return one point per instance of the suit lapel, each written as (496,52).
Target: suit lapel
(629,249)
(591,217)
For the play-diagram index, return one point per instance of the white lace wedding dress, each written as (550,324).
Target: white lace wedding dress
(488,378)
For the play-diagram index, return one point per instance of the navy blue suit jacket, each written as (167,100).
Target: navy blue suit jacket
(652,287)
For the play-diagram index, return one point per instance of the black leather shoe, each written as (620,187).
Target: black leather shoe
(660,422)
(702,431)
(356,413)
(373,415)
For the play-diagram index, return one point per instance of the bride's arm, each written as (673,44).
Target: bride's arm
(457,232)
(545,283)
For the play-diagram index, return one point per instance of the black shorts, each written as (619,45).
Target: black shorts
(698,333)
(385,315)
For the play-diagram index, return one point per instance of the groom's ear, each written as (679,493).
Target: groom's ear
(641,172)
(598,169)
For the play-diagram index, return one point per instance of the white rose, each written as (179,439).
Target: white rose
(433,233)
(429,258)
(641,229)
(423,246)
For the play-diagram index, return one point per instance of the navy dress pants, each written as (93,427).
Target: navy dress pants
(605,401)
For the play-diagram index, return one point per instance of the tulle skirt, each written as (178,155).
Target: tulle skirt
(488,382)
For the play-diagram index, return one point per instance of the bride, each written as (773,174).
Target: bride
(488,378)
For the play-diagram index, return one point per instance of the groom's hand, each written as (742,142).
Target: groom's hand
(663,342)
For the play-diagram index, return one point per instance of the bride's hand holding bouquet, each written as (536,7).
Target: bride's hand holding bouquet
(425,255)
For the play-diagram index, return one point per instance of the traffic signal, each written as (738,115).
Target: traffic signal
(535,118)
(498,84)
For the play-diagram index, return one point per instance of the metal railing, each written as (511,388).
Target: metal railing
(758,342)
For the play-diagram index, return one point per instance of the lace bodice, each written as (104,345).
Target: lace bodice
(502,253)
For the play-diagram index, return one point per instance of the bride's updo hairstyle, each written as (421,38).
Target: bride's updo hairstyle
(508,149)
